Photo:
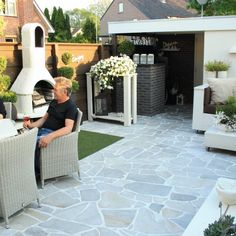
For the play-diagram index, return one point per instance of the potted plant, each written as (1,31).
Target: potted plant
(8,97)
(5,81)
(226,115)
(107,70)
(210,68)
(68,71)
(223,227)
(126,47)
(221,69)
(217,69)
(106,73)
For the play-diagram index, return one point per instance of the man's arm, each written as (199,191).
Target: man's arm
(44,141)
(38,123)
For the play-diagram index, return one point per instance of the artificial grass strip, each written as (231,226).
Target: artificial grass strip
(91,142)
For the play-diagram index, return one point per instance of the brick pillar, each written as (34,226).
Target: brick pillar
(150,89)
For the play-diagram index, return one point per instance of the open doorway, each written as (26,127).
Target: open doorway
(177,52)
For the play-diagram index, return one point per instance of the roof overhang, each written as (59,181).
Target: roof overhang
(44,18)
(177,25)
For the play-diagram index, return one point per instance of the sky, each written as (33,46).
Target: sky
(64,4)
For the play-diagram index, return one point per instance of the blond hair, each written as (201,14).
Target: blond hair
(64,83)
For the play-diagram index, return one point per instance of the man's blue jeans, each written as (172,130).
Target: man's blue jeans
(41,133)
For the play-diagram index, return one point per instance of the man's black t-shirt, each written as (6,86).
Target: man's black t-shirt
(58,112)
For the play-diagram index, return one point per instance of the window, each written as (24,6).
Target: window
(121,7)
(9,39)
(10,8)
(2,6)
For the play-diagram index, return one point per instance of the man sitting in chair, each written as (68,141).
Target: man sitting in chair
(2,110)
(59,119)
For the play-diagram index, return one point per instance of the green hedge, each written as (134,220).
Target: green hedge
(65,71)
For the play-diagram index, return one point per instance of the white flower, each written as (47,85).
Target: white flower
(107,69)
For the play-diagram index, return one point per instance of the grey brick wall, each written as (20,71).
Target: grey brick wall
(119,95)
(150,90)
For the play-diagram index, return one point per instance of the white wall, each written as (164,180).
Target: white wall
(217,45)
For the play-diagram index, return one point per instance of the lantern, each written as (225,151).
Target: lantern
(101,106)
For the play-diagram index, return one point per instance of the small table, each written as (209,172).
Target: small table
(215,138)
(7,128)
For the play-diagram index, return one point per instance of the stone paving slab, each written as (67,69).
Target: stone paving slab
(151,183)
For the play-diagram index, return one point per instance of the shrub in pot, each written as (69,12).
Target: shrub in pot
(226,114)
(66,58)
(68,71)
(5,81)
(223,227)
(221,69)
(126,47)
(65,71)
(210,68)
(215,67)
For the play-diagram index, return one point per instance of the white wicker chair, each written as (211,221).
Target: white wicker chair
(61,156)
(17,177)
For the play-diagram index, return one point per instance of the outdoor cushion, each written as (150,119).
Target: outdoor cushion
(221,89)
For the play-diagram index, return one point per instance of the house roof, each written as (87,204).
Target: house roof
(159,9)
(44,18)
(75,31)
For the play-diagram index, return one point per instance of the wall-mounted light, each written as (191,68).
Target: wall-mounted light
(202,2)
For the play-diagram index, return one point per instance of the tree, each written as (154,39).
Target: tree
(78,17)
(79,39)
(89,30)
(54,14)
(99,7)
(67,27)
(61,25)
(59,21)
(46,13)
(215,7)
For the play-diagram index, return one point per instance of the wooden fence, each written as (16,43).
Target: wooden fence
(84,55)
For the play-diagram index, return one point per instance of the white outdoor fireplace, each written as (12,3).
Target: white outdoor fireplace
(34,76)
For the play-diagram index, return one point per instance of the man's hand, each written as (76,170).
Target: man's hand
(27,124)
(45,140)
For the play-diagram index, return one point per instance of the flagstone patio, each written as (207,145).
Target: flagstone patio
(151,183)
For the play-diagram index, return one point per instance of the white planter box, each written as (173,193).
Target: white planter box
(222,74)
(211,74)
(130,101)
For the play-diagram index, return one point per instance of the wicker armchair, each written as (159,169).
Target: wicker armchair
(61,156)
(17,177)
